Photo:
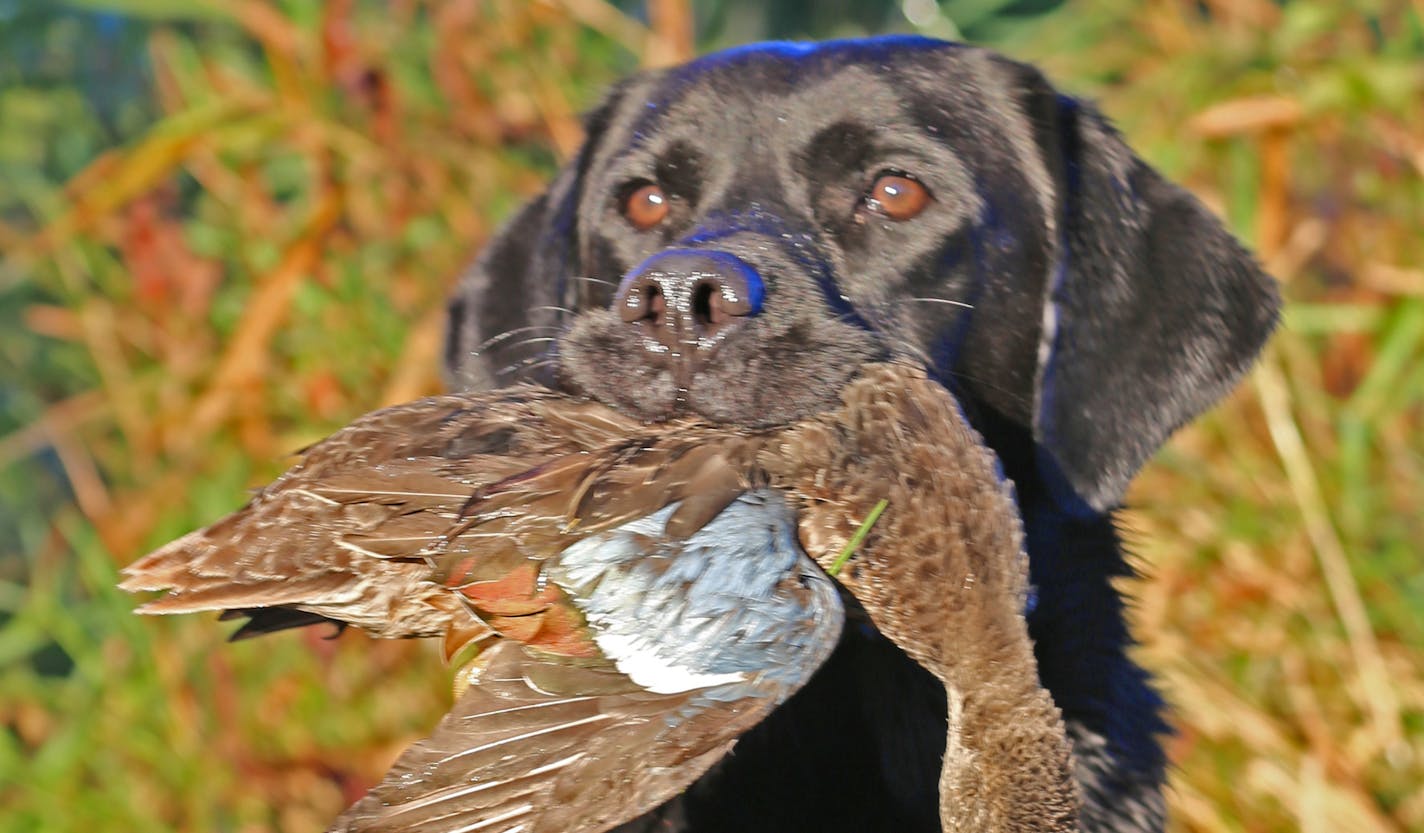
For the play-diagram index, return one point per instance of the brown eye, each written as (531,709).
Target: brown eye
(897,197)
(645,206)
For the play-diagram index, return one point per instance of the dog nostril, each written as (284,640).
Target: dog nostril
(643,301)
(706,310)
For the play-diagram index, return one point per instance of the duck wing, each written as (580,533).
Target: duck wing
(637,601)
(698,639)
(358,528)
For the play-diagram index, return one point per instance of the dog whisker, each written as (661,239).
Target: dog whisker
(531,363)
(885,333)
(883,326)
(552,360)
(529,342)
(984,384)
(507,334)
(590,279)
(907,347)
(537,340)
(903,344)
(953,303)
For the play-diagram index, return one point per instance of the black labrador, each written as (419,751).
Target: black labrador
(739,233)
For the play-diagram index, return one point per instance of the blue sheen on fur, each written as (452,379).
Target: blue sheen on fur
(881,46)
(1064,494)
(1080,637)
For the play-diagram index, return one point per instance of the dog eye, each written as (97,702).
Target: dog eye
(645,206)
(897,196)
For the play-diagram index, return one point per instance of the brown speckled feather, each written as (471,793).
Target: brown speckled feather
(944,575)
(373,522)
(441,517)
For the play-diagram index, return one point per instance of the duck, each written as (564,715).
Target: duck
(625,599)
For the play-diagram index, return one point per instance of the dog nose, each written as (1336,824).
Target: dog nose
(688,300)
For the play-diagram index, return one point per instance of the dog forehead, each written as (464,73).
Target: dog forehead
(785,93)
(725,108)
(872,78)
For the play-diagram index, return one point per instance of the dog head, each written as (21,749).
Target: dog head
(739,234)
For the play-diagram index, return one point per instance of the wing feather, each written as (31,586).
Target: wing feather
(512,756)
(372,515)
(700,639)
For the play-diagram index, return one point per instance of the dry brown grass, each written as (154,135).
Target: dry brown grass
(268,258)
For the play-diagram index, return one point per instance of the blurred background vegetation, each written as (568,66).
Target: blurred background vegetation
(226,227)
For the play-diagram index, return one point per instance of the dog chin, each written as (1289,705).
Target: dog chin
(757,383)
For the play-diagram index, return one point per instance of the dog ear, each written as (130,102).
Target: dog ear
(1152,311)
(523,275)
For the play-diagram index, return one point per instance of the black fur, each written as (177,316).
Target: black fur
(1104,308)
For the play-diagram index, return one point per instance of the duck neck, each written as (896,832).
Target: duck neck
(1008,765)
(945,577)
(1007,761)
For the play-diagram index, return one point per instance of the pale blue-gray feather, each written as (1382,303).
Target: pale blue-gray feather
(738,598)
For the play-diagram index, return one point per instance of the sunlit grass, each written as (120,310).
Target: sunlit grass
(264,254)
(1283,535)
